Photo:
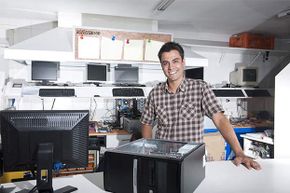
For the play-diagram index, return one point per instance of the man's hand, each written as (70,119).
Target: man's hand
(247,162)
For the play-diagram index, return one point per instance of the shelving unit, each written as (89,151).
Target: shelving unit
(258,145)
(223,49)
(235,50)
(242,92)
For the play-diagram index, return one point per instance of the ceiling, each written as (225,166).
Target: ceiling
(190,18)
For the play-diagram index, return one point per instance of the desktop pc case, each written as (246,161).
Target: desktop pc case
(154,166)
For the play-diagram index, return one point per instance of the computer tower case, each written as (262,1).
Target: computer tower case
(154,166)
(131,125)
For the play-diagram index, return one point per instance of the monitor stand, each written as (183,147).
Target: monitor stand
(45,162)
(44,83)
(4,189)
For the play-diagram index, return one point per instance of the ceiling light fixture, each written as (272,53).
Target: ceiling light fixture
(163,5)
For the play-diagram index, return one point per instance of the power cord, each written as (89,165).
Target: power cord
(53,103)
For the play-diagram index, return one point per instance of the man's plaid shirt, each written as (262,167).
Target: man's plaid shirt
(180,116)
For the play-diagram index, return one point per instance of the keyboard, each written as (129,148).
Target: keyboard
(128,92)
(59,92)
(129,85)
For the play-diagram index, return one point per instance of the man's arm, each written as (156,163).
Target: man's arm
(225,128)
(146,131)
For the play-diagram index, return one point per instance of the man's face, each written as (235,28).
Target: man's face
(172,65)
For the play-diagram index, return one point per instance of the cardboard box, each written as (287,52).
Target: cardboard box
(250,40)
(215,146)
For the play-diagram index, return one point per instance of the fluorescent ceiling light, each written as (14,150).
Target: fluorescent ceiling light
(163,5)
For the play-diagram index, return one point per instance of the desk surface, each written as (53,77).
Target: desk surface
(221,177)
(224,177)
(79,181)
(113,132)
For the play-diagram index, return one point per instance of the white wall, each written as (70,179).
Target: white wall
(3,69)
(220,64)
(17,35)
(282,112)
(124,23)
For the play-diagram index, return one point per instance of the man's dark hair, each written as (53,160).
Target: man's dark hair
(167,47)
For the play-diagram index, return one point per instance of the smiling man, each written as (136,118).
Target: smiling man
(180,104)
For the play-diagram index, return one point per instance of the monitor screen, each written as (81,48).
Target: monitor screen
(250,74)
(96,72)
(126,74)
(194,73)
(35,140)
(44,70)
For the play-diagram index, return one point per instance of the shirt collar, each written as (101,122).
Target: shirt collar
(180,88)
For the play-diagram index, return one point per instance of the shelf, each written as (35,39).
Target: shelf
(241,92)
(235,50)
(258,137)
(106,92)
(82,91)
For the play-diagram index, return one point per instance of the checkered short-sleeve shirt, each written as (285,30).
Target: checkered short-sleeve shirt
(180,115)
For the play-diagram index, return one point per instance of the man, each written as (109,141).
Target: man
(180,104)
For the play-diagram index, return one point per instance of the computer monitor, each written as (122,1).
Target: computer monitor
(44,71)
(96,72)
(194,73)
(36,140)
(124,74)
(244,76)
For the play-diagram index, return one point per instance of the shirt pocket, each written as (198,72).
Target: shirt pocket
(187,111)
(162,116)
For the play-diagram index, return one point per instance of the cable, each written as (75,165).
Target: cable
(42,104)
(94,111)
(53,103)
(36,187)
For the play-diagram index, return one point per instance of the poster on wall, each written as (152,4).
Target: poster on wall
(117,45)
(111,49)
(133,49)
(89,47)
(87,44)
(152,48)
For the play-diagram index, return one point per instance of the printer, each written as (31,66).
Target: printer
(153,165)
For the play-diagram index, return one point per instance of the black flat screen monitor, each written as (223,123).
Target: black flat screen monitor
(36,140)
(44,70)
(194,73)
(126,74)
(96,72)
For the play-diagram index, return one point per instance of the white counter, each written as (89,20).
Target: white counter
(224,177)
(79,181)
(221,177)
